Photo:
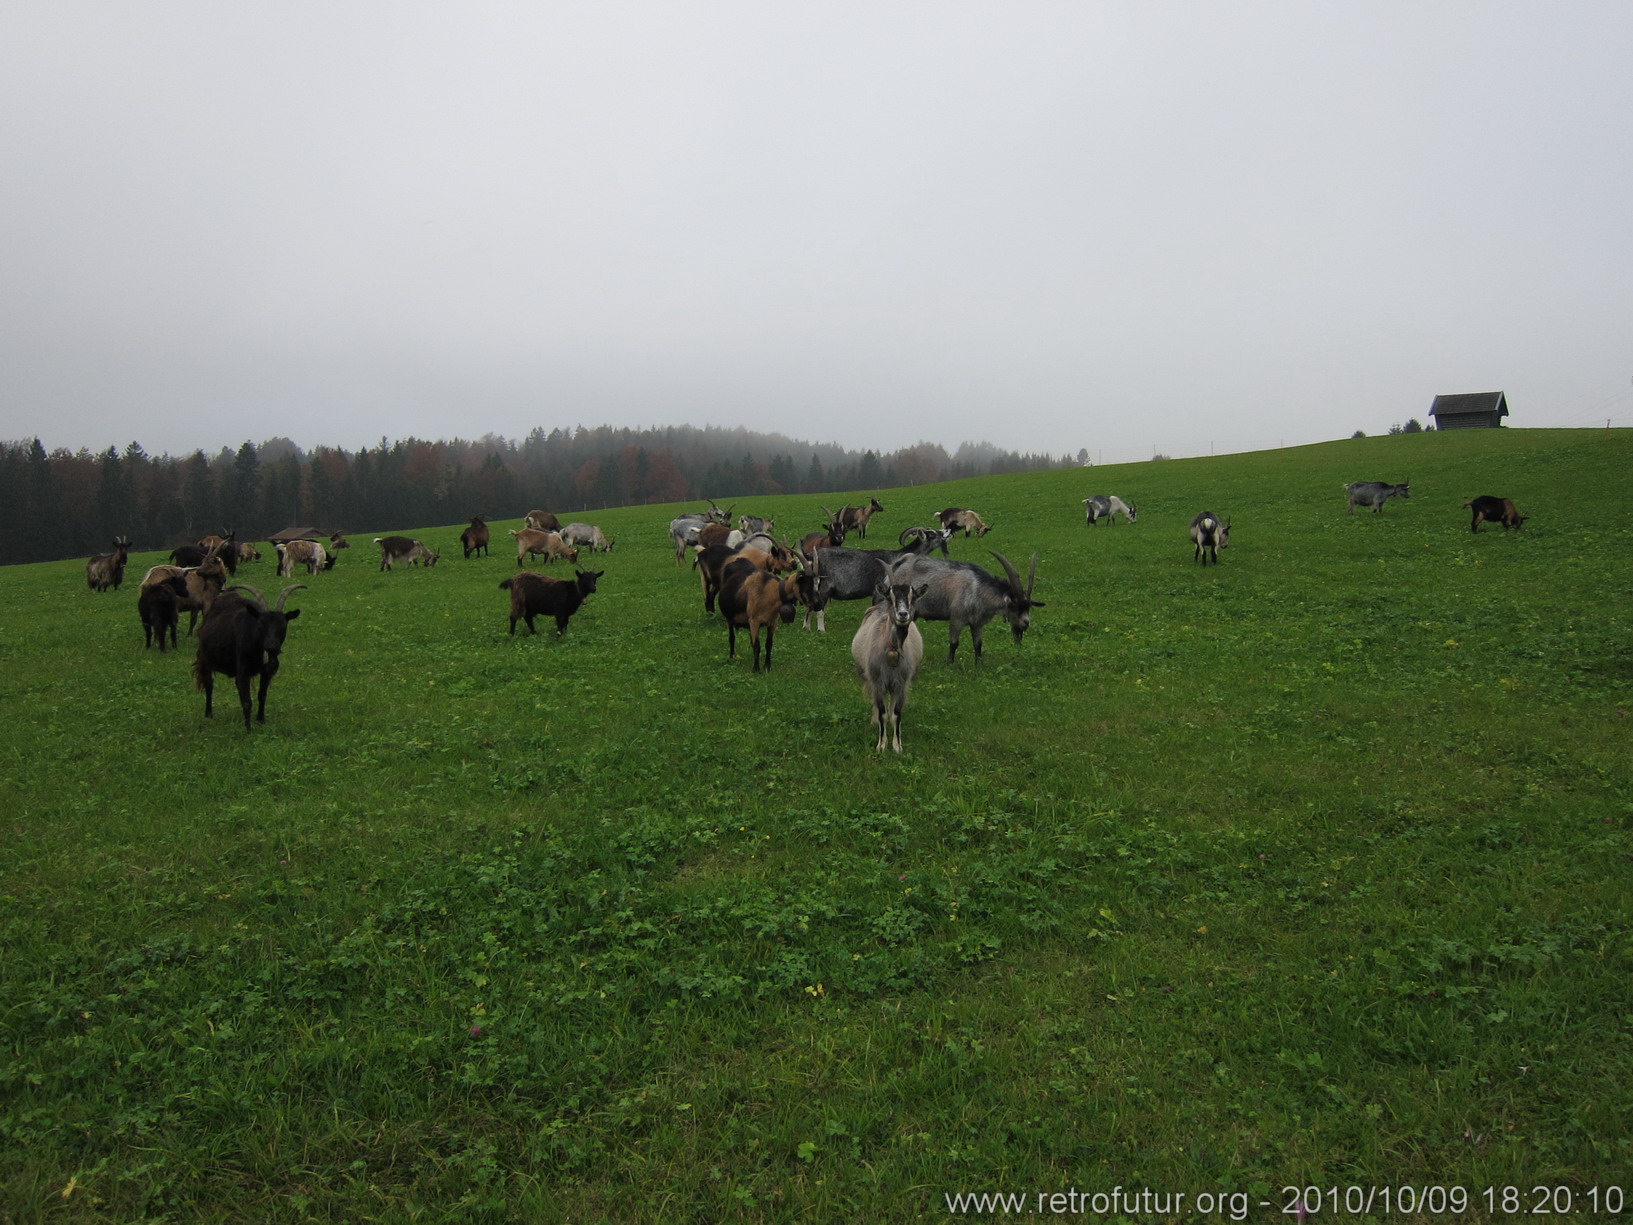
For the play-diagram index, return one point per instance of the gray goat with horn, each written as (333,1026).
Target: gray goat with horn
(888,650)
(965,594)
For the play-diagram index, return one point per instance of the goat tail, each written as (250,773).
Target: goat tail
(201,669)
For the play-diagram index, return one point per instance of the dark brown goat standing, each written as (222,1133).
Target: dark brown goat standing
(242,638)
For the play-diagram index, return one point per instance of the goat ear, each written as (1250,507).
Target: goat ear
(920,590)
(292,614)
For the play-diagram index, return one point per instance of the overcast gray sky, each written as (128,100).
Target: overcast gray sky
(1119,226)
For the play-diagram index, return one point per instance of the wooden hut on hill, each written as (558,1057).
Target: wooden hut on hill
(1477,410)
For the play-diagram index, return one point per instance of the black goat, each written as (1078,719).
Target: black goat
(159,606)
(534,595)
(242,638)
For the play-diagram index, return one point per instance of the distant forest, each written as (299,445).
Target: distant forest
(72,503)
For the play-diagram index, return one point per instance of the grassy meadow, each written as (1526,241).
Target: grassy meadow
(1309,868)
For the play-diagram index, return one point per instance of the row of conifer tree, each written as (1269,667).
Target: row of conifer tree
(56,504)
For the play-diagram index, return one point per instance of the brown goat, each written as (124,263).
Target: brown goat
(549,545)
(474,539)
(204,582)
(224,547)
(855,518)
(542,521)
(754,599)
(711,563)
(108,569)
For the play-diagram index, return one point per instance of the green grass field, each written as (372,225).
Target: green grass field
(1309,868)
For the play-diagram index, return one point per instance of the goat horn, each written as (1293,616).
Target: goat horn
(1014,578)
(254,591)
(284,594)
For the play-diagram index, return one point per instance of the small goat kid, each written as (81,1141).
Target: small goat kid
(888,650)
(242,638)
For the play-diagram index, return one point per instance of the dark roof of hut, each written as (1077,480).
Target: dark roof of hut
(1470,402)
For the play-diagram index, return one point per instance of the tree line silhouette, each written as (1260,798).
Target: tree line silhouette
(72,503)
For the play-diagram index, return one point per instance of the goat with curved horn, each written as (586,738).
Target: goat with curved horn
(241,637)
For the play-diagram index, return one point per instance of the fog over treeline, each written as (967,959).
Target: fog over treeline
(62,503)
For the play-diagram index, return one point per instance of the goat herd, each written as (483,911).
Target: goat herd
(756,580)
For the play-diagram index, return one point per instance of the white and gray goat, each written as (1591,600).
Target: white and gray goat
(965,594)
(1209,535)
(888,650)
(586,536)
(1098,506)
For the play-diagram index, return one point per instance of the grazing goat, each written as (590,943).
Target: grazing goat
(108,569)
(474,539)
(159,606)
(242,638)
(549,545)
(1488,509)
(955,519)
(394,549)
(1375,494)
(753,524)
(203,582)
(1209,535)
(541,521)
(962,594)
(888,650)
(247,552)
(308,553)
(586,535)
(925,539)
(753,598)
(537,595)
(1108,506)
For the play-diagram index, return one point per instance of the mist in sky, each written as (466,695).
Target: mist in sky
(1125,227)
